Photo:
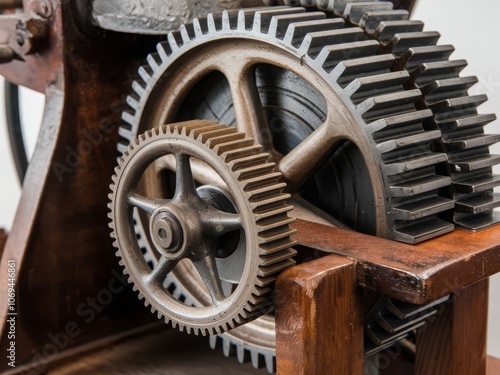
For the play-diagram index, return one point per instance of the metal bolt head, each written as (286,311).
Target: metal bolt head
(167,232)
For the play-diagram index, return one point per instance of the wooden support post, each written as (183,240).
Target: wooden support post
(319,319)
(455,342)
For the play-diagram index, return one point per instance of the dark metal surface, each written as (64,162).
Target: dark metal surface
(14,128)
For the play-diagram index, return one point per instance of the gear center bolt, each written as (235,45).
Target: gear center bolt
(167,234)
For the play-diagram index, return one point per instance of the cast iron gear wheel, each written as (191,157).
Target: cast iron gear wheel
(382,178)
(192,226)
(445,92)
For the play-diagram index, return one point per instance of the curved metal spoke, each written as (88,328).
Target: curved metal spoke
(161,271)
(224,222)
(250,115)
(207,268)
(146,204)
(185,185)
(303,161)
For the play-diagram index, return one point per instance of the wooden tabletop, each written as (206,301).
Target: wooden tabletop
(416,274)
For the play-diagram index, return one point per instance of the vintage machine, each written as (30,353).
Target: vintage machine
(307,183)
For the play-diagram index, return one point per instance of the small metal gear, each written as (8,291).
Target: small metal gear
(193,224)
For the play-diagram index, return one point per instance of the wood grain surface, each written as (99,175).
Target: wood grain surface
(416,274)
(319,318)
(455,342)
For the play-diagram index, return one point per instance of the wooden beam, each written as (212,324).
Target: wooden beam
(417,274)
(319,319)
(455,342)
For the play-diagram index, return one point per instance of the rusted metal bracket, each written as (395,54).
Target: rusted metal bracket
(23,33)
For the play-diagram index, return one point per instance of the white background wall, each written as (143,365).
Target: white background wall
(471,27)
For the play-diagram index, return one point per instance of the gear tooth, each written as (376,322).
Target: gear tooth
(292,27)
(378,107)
(240,353)
(331,56)
(129,116)
(264,19)
(372,19)
(213,341)
(366,87)
(226,347)
(172,42)
(403,42)
(226,21)
(139,88)
(154,61)
(164,51)
(354,11)
(145,72)
(211,22)
(186,38)
(270,363)
(254,355)
(198,30)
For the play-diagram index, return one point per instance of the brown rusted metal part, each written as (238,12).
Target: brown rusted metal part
(416,274)
(35,70)
(24,33)
(68,281)
(10,4)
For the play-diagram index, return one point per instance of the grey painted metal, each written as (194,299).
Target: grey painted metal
(157,17)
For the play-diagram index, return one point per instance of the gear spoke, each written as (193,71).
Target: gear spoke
(251,118)
(225,222)
(146,204)
(207,268)
(160,272)
(185,185)
(303,161)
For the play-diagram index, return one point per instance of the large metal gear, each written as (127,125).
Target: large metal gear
(238,239)
(456,113)
(324,91)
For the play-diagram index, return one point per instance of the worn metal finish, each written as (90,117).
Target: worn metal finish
(157,16)
(252,39)
(186,227)
(456,114)
(358,119)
